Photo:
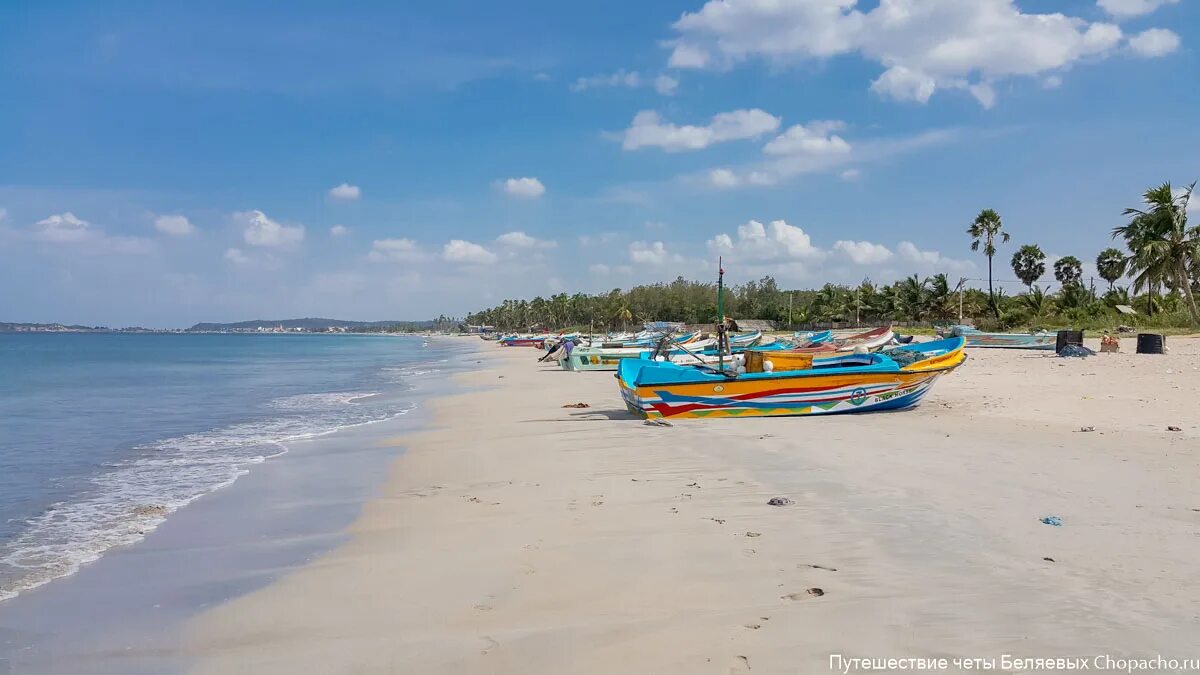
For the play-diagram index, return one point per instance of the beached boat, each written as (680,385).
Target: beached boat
(529,340)
(978,339)
(608,356)
(854,383)
(871,340)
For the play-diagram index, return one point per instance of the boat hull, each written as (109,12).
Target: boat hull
(872,388)
(980,340)
(825,395)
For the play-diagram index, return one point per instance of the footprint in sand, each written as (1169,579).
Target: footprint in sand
(492,644)
(741,664)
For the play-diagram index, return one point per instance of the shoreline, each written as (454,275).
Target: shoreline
(122,612)
(517,536)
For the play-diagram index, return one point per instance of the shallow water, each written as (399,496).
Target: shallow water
(103,436)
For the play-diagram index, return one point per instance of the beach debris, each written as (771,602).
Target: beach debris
(719,521)
(577,405)
(693,484)
(1054,521)
(657,422)
(779,501)
(765,436)
(814,591)
(1087,429)
(1174,428)
(820,567)
(1048,559)
(754,534)
(753,626)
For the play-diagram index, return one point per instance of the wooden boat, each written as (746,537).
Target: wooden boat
(536,341)
(979,339)
(608,357)
(871,340)
(855,383)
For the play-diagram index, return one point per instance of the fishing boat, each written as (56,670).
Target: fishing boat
(846,384)
(859,382)
(871,340)
(979,339)
(607,356)
(536,341)
(811,339)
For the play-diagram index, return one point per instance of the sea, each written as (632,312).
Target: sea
(106,437)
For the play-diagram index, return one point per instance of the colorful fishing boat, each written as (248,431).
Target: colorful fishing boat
(536,341)
(607,357)
(979,339)
(871,340)
(856,383)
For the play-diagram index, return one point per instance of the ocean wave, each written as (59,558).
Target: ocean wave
(130,498)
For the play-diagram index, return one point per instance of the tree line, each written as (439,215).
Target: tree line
(1160,263)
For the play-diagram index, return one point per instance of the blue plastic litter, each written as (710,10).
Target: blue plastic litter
(1052,520)
(1076,351)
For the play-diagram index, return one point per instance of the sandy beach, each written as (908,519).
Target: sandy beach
(518,536)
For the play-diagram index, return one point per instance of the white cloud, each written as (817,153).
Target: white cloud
(522,240)
(851,174)
(524,188)
(176,226)
(621,78)
(648,130)
(863,252)
(984,93)
(262,231)
(923,45)
(756,242)
(395,250)
(339,231)
(632,79)
(824,156)
(1154,43)
(815,139)
(237,256)
(687,56)
(345,192)
(67,229)
(1052,82)
(655,253)
(932,260)
(64,228)
(459,251)
(1123,9)
(599,269)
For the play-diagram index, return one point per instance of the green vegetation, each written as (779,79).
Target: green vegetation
(1162,255)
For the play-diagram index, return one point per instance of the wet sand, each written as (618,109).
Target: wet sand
(517,536)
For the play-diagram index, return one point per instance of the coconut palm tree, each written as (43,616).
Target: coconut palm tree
(1029,264)
(985,230)
(1111,265)
(1161,244)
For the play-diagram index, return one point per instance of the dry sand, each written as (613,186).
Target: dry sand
(521,537)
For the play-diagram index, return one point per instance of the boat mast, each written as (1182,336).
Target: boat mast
(722,338)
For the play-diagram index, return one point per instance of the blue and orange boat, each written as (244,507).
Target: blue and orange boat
(893,380)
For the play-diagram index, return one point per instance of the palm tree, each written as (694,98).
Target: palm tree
(938,298)
(985,229)
(624,316)
(1161,244)
(1068,270)
(1036,301)
(1111,265)
(910,297)
(1029,264)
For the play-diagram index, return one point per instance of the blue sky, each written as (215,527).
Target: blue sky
(165,163)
